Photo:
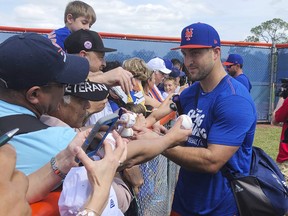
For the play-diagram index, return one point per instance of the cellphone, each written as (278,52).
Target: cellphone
(108,120)
(176,100)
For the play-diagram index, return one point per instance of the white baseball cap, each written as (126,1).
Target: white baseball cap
(158,64)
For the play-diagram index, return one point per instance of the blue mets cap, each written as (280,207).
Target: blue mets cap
(197,36)
(30,59)
(233,59)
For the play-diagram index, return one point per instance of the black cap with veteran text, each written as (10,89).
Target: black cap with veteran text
(88,90)
(85,40)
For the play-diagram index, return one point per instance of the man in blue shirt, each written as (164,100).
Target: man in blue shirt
(224,120)
(33,73)
(234,64)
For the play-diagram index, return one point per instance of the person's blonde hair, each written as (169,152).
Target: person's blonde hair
(138,68)
(78,9)
(136,108)
(170,79)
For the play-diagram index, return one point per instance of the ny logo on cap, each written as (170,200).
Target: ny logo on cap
(188,34)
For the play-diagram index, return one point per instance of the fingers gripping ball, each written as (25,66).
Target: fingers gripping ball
(186,121)
(126,130)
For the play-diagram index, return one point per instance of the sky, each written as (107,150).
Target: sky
(232,19)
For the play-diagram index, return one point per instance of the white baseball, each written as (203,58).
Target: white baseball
(127,132)
(110,139)
(129,119)
(186,121)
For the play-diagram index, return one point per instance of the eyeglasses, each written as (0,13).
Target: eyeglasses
(229,66)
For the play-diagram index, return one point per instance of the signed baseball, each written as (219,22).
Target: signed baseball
(186,121)
(129,119)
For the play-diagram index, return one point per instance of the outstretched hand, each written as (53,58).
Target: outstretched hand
(66,158)
(178,134)
(101,172)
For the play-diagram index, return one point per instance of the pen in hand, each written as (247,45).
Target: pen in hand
(7,136)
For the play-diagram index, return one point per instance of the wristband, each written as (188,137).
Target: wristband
(56,169)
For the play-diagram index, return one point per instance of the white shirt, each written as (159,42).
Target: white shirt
(76,190)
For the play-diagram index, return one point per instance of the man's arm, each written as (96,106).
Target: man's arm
(149,144)
(235,118)
(208,160)
(44,180)
(114,77)
(163,110)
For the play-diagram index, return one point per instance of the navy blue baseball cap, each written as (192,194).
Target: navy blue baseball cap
(87,40)
(30,59)
(197,36)
(175,72)
(233,59)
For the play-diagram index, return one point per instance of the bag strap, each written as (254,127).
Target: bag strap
(26,123)
(227,172)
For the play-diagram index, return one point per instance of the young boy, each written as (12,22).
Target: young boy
(170,86)
(78,15)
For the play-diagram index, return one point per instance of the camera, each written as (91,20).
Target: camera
(283,91)
(176,101)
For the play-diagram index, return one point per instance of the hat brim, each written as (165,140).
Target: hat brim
(91,96)
(227,63)
(165,71)
(76,70)
(190,46)
(99,93)
(104,50)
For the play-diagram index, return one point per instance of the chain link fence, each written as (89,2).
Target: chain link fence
(160,175)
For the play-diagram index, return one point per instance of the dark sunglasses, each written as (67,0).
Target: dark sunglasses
(229,66)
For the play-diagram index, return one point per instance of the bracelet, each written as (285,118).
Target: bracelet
(88,212)
(56,169)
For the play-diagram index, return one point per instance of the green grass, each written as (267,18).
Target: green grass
(267,137)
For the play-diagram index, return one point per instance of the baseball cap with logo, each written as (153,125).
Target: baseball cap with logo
(88,90)
(233,59)
(197,36)
(30,59)
(85,40)
(158,64)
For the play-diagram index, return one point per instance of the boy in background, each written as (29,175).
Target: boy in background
(170,86)
(78,15)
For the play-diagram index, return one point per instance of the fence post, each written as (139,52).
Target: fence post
(274,60)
